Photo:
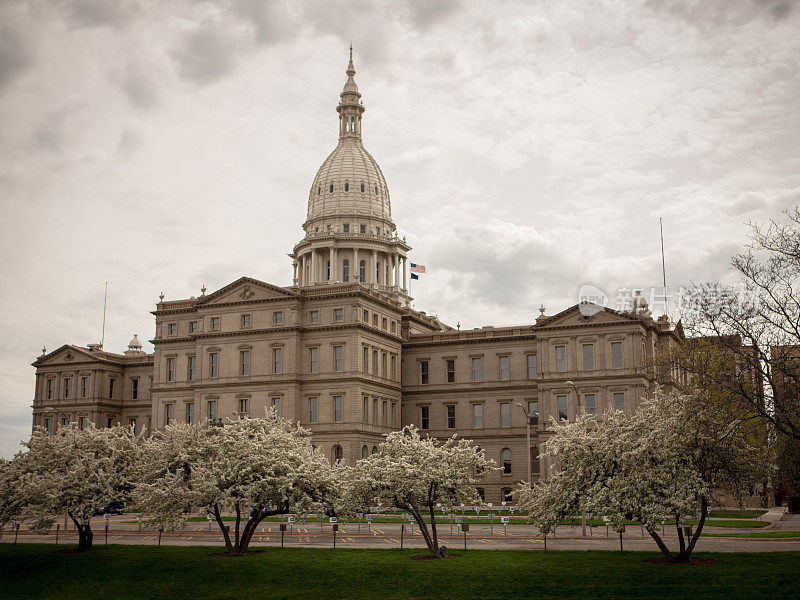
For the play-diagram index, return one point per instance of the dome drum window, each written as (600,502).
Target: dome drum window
(331,188)
(362,188)
(346,186)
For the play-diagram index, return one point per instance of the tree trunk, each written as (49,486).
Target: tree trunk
(85,535)
(252,525)
(222,528)
(433,547)
(686,552)
(661,545)
(440,550)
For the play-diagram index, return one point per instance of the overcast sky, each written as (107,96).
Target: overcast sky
(529,148)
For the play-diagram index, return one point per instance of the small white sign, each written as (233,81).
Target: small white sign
(504,519)
(410,518)
(459,519)
(334,520)
(209,517)
(511,508)
(106,516)
(290,519)
(369,518)
(490,505)
(462,505)
(503,503)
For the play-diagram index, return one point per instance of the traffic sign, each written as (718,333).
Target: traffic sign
(459,519)
(334,520)
(369,518)
(504,519)
(290,519)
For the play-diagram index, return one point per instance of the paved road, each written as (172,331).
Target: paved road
(388,535)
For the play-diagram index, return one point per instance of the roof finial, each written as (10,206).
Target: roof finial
(351,70)
(351,51)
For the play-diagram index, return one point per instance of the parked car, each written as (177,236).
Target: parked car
(112,508)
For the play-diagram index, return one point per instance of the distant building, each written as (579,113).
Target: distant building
(342,352)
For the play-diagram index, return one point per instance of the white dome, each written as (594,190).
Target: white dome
(135,344)
(349,182)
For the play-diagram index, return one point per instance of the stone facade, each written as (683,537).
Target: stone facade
(342,352)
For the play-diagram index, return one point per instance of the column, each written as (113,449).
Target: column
(333,275)
(294,267)
(313,274)
(396,282)
(356,266)
(373,275)
(405,269)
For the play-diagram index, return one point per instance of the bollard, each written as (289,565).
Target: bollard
(283,531)
(159,538)
(491,523)
(16,535)
(402,532)
(58,526)
(465,529)
(620,542)
(545,543)
(335,528)
(106,535)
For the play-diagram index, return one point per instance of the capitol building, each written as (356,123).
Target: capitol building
(343,352)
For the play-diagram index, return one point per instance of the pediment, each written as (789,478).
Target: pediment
(580,315)
(246,289)
(67,354)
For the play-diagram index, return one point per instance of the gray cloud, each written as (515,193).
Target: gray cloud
(206,54)
(16,54)
(140,85)
(98,13)
(273,21)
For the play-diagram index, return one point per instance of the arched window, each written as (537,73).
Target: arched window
(376,190)
(346,186)
(506,456)
(319,190)
(362,188)
(362,271)
(374,449)
(507,495)
(353,124)
(337,454)
(482,494)
(331,188)
(345,270)
(364,451)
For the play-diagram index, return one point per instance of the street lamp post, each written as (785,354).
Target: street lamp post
(529,421)
(578,397)
(50,409)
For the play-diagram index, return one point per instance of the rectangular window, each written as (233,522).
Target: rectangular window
(192,326)
(338,314)
(312,410)
(393,374)
(50,389)
(385,413)
(135,389)
(313,360)
(531,366)
(246,321)
(338,359)
(277,317)
(619,401)
(423,372)
(477,416)
(533,411)
(337,409)
(374,411)
(588,357)
(375,362)
(172,328)
(191,367)
(451,370)
(190,413)
(168,414)
(384,369)
(591,405)
(314,314)
(365,359)
(213,364)
(425,414)
(451,416)
(505,369)
(214,323)
(366,316)
(362,229)
(109,422)
(505,414)
(244,404)
(562,408)
(67,387)
(111,387)
(477,369)
(132,424)
(384,323)
(84,387)
(82,423)
(374,320)
(212,410)
(561,358)
(616,355)
(47,426)
(244,362)
(277,361)
(346,228)
(394,326)
(170,369)
(275,403)
(365,410)
(393,422)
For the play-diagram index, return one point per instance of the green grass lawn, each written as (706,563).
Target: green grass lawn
(121,572)
(732,523)
(744,514)
(756,534)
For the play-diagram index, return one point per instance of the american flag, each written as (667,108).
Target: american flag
(417,268)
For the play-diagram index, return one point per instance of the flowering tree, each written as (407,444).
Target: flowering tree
(267,463)
(73,471)
(415,473)
(9,498)
(659,462)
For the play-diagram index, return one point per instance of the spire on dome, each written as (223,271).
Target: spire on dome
(350,107)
